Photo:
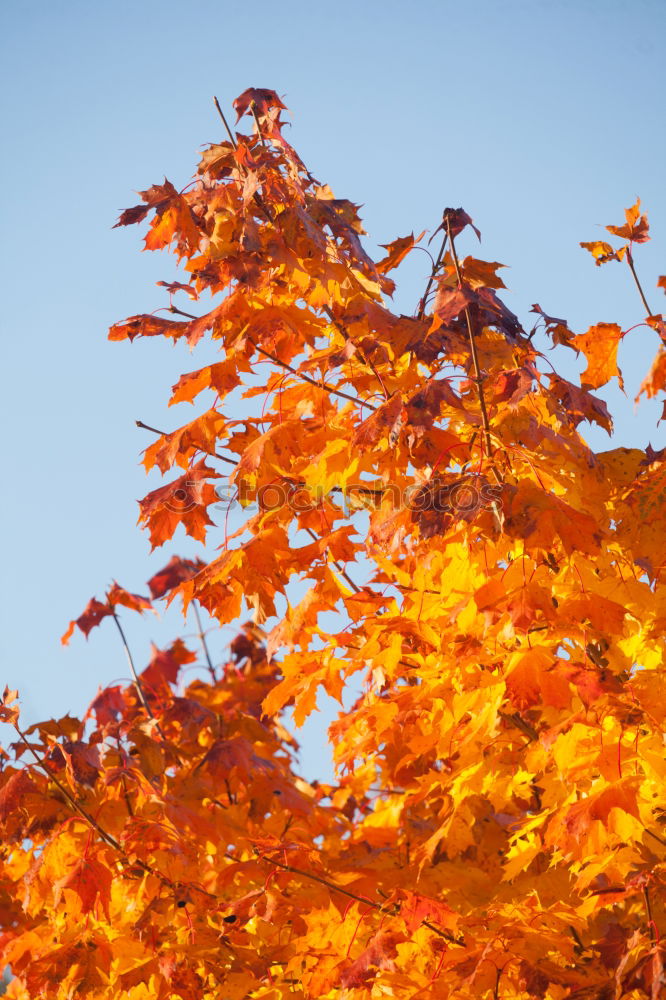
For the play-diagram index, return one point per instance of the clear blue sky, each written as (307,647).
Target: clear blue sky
(544,119)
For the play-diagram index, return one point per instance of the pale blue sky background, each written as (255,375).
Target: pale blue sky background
(543,119)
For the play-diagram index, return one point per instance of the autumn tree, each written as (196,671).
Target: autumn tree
(494,591)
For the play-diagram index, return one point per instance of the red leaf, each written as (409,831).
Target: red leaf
(94,613)
(165,665)
(173,574)
(377,956)
(118,595)
(91,881)
(183,501)
(397,251)
(108,705)
(259,97)
(13,791)
(379,424)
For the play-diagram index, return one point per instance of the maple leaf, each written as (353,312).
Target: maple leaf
(636,227)
(81,761)
(258,98)
(135,602)
(376,426)
(539,518)
(603,252)
(599,345)
(556,328)
(178,286)
(378,956)
(222,377)
(481,273)
(512,385)
(9,712)
(397,251)
(416,908)
(90,880)
(108,705)
(183,501)
(147,326)
(455,220)
(174,573)
(579,404)
(165,665)
(95,612)
(15,786)
(655,380)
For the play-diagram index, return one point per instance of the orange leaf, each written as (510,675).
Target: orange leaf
(183,501)
(603,252)
(397,251)
(173,574)
(379,424)
(91,881)
(94,613)
(599,345)
(636,227)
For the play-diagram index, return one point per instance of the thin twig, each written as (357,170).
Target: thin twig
(630,262)
(139,688)
(517,720)
(433,274)
(214,454)
(256,196)
(74,803)
(312,381)
(656,837)
(365,491)
(648,909)
(337,565)
(128,654)
(256,122)
(202,638)
(472,344)
(367,361)
(226,123)
(393,910)
(289,368)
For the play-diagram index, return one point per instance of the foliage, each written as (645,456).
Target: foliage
(497,825)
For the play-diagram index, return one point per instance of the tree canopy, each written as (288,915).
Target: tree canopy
(489,586)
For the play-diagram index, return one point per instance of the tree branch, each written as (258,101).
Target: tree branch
(630,262)
(392,911)
(226,123)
